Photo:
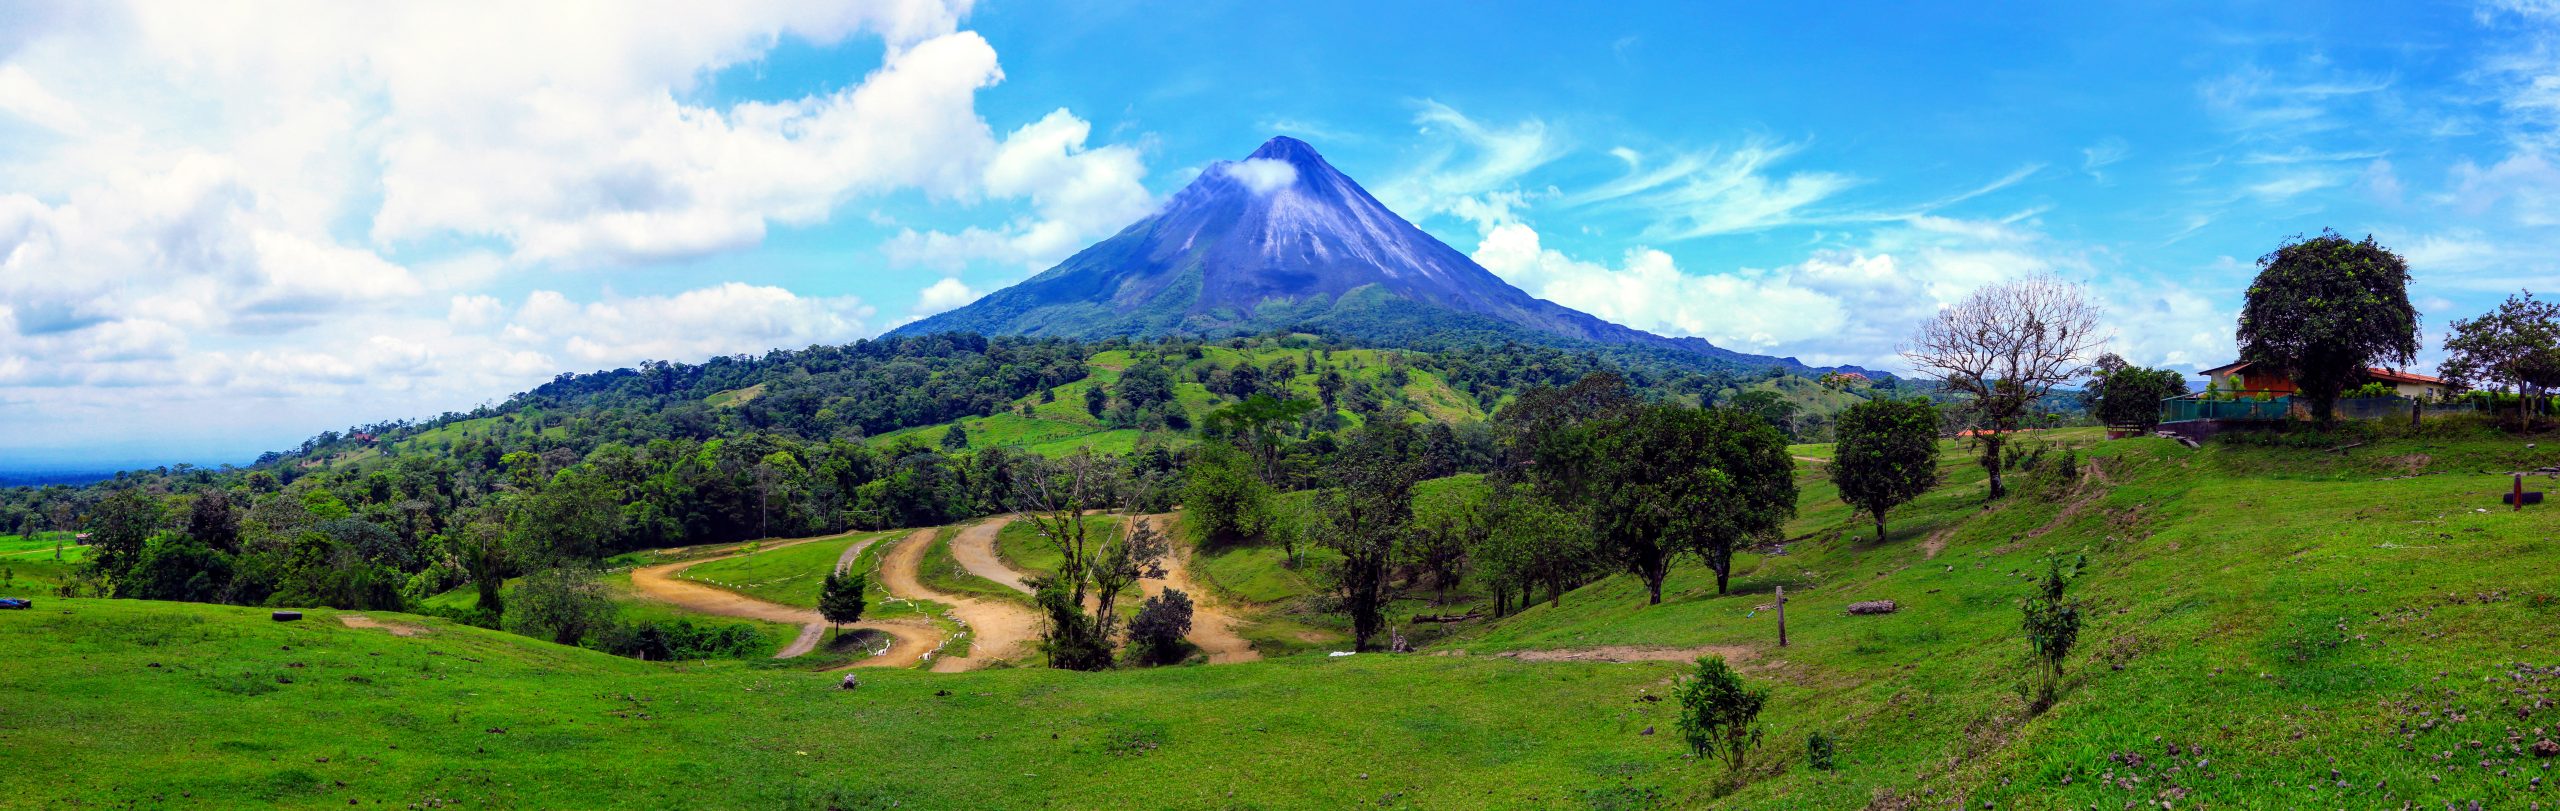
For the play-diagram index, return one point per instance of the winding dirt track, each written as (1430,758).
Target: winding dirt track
(1212,629)
(908,641)
(1000,630)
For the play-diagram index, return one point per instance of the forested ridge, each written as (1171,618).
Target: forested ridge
(781,445)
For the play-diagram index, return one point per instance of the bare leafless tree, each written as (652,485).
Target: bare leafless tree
(2006,346)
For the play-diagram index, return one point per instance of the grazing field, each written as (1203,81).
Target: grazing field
(790,575)
(2272,628)
(41,546)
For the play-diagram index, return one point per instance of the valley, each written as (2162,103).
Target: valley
(2383,613)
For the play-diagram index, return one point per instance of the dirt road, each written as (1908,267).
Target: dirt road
(908,640)
(975,550)
(1000,630)
(1212,629)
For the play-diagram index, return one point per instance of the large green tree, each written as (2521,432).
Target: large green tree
(2325,308)
(840,598)
(119,526)
(2123,394)
(2516,345)
(1669,479)
(1365,517)
(1887,455)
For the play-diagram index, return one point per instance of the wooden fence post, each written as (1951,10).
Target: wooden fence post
(1782,608)
(1782,596)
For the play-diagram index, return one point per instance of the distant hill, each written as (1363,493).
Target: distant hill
(1284,241)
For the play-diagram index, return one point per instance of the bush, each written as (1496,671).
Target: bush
(1818,751)
(1155,635)
(1719,714)
(669,640)
(2053,624)
(561,605)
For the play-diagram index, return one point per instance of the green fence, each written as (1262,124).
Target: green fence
(2185,409)
(2276,409)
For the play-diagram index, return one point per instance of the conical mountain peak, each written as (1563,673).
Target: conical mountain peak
(1281,240)
(1295,152)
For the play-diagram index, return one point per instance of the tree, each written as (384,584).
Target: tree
(1531,543)
(2123,394)
(1541,414)
(1155,635)
(1771,407)
(840,598)
(1095,401)
(1223,499)
(481,546)
(561,604)
(956,439)
(1365,517)
(573,519)
(1669,479)
(1256,425)
(119,526)
(1054,497)
(2053,623)
(1447,522)
(1887,455)
(2006,346)
(2517,345)
(2323,310)
(211,521)
(1719,714)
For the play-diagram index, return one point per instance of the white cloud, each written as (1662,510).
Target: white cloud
(1078,194)
(1859,305)
(1467,160)
(271,216)
(729,318)
(946,294)
(1262,175)
(2103,154)
(473,312)
(1718,191)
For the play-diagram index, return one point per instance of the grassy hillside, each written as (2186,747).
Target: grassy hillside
(1059,423)
(2272,628)
(315,714)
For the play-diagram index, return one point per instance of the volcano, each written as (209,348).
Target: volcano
(1283,241)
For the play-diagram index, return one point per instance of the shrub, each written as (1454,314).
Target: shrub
(2053,624)
(1719,714)
(1155,635)
(1819,752)
(561,605)
(668,640)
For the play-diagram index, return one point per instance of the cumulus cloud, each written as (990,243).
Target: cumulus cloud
(320,204)
(947,294)
(1858,305)
(725,319)
(1262,175)
(1077,193)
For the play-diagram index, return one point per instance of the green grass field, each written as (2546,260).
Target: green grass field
(41,547)
(790,575)
(2272,628)
(1021,546)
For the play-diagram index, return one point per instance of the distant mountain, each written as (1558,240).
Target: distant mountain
(1282,240)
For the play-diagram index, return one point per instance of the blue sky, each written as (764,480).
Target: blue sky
(223,229)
